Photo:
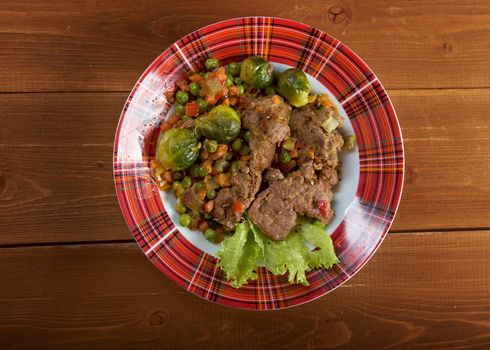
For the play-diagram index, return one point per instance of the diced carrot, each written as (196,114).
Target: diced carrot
(233,100)
(173,120)
(220,152)
(238,206)
(293,153)
(223,179)
(201,194)
(233,91)
(195,77)
(220,73)
(209,206)
(245,158)
(167,176)
(153,163)
(202,225)
(226,102)
(210,99)
(192,109)
(165,126)
(208,165)
(276,99)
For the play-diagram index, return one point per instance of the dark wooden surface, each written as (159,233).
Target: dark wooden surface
(72,277)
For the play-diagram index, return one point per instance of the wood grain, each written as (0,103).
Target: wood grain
(56,164)
(56,168)
(111,297)
(106,45)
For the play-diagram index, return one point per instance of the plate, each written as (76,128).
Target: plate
(372,174)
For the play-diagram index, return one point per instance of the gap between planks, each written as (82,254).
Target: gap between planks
(129,241)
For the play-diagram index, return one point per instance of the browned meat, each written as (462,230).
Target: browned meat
(192,201)
(267,119)
(308,191)
(275,210)
(306,127)
(245,184)
(272,175)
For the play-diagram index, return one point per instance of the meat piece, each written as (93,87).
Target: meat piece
(245,183)
(191,200)
(276,209)
(272,175)
(317,145)
(267,119)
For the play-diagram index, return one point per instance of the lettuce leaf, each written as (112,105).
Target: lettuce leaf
(324,254)
(289,255)
(238,255)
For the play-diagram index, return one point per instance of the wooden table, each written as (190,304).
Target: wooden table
(73,278)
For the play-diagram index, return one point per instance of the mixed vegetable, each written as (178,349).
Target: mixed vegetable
(199,149)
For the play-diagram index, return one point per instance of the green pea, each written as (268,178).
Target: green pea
(284,156)
(185,220)
(236,145)
(177,175)
(246,135)
(234,69)
(229,156)
(200,185)
(180,207)
(238,81)
(210,235)
(185,118)
(180,110)
(203,105)
(229,80)
(244,150)
(234,167)
(194,88)
(202,171)
(207,216)
(195,170)
(211,146)
(186,182)
(211,64)
(182,97)
(269,91)
(211,194)
(241,89)
(176,185)
(205,75)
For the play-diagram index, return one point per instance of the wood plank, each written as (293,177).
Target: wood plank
(56,168)
(110,296)
(82,46)
(56,161)
(447,145)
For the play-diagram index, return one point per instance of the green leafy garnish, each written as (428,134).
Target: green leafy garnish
(239,253)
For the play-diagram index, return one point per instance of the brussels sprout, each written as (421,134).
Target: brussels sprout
(222,124)
(256,72)
(294,86)
(178,149)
